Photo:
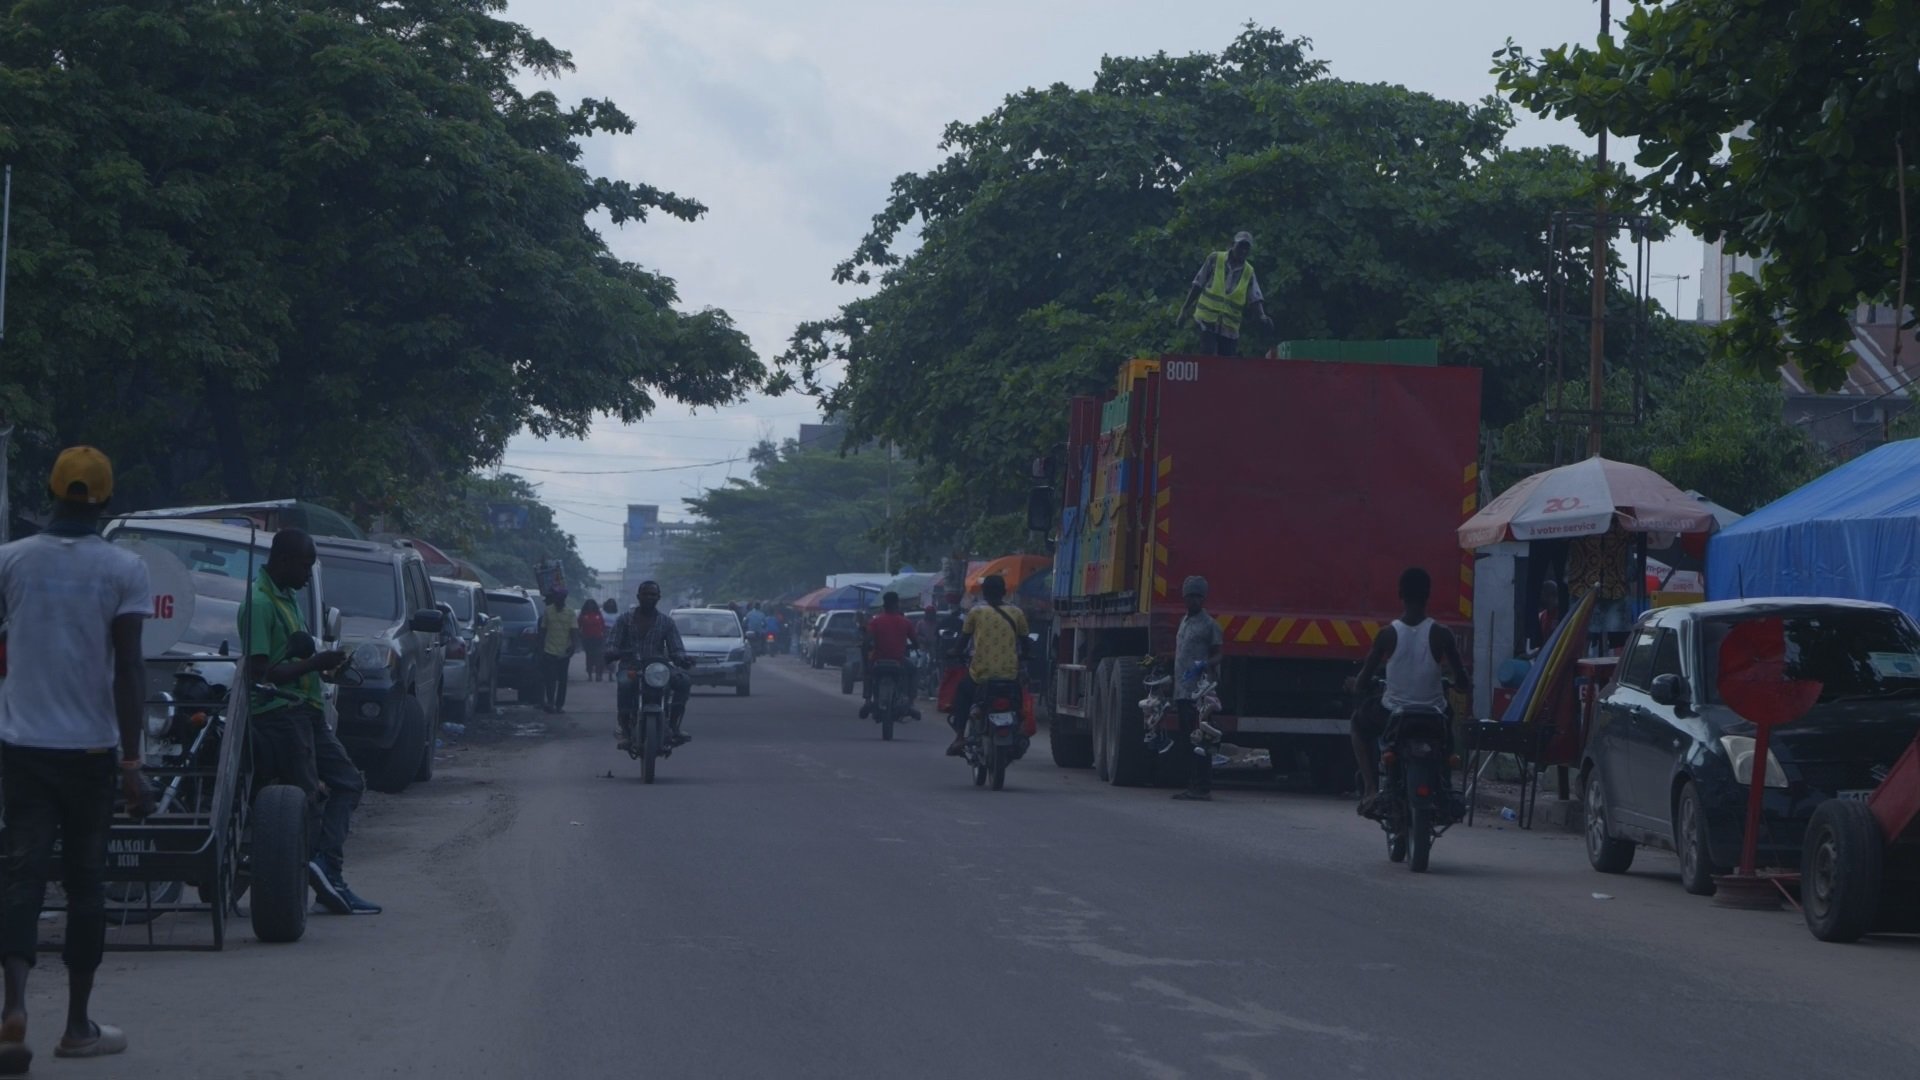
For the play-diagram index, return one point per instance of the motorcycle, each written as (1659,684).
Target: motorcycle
(892,695)
(1417,802)
(1161,720)
(646,687)
(994,739)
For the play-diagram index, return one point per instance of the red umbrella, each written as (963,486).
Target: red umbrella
(1585,499)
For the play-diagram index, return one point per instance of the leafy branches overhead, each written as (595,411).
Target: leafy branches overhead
(320,247)
(1776,128)
(1062,230)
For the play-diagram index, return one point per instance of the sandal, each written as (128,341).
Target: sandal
(107,1040)
(15,1057)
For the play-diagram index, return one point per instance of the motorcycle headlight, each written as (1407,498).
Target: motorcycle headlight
(657,675)
(160,715)
(373,658)
(1739,750)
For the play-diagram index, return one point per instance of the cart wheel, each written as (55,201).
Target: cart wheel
(1841,866)
(277,858)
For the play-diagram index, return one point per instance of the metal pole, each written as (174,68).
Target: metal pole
(6,230)
(1597,326)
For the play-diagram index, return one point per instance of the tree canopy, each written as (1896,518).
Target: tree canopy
(1778,129)
(1061,232)
(805,512)
(319,247)
(454,517)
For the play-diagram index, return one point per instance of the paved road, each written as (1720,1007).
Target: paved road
(795,898)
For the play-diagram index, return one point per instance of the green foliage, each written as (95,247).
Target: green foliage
(319,247)
(453,517)
(1773,127)
(805,513)
(1062,232)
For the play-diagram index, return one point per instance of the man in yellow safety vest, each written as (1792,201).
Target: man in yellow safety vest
(1223,288)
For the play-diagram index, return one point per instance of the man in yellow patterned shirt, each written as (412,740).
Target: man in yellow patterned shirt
(998,633)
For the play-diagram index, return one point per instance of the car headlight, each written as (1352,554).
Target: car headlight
(737,655)
(1739,750)
(160,715)
(373,658)
(657,675)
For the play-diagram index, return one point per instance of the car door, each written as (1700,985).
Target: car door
(1622,712)
(1661,734)
(429,675)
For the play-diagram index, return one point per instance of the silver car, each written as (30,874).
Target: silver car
(471,677)
(718,645)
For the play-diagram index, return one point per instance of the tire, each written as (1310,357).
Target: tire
(650,747)
(996,767)
(1396,848)
(486,702)
(1071,750)
(846,678)
(1131,764)
(886,726)
(1842,868)
(1606,854)
(277,864)
(1419,837)
(424,772)
(1691,842)
(745,686)
(393,773)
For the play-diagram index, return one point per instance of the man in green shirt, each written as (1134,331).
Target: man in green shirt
(292,743)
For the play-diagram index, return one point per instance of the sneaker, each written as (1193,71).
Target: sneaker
(357,905)
(958,746)
(330,894)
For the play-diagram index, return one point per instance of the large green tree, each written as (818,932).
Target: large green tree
(804,513)
(319,247)
(1061,232)
(454,517)
(1779,127)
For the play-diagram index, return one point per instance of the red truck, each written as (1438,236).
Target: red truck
(1300,489)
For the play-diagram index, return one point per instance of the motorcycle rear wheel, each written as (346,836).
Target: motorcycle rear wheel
(1420,835)
(997,766)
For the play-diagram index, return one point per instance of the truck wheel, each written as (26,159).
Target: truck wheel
(1071,749)
(1842,866)
(396,771)
(277,863)
(1131,765)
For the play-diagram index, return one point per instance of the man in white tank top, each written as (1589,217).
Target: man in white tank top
(1413,652)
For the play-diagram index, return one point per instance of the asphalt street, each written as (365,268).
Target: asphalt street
(796,898)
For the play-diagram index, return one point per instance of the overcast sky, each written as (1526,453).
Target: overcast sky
(789,121)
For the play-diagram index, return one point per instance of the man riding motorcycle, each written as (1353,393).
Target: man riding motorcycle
(997,632)
(1415,653)
(644,633)
(889,636)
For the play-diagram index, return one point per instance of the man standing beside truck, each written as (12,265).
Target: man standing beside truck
(1221,291)
(1196,648)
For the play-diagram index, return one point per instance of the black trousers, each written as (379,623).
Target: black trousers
(56,794)
(1212,344)
(554,671)
(294,746)
(1199,771)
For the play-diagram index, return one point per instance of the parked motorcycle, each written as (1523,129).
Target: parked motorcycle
(645,693)
(994,739)
(1160,721)
(1417,801)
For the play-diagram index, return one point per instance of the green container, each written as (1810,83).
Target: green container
(1414,352)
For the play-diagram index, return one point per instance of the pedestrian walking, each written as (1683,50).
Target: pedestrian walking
(70,721)
(593,638)
(559,638)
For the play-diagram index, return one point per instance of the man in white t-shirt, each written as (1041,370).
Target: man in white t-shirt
(69,724)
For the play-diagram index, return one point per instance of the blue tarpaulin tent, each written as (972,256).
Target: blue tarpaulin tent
(848,598)
(1853,533)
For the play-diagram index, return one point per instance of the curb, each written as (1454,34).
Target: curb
(1549,814)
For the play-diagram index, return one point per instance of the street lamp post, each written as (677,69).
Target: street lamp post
(1676,279)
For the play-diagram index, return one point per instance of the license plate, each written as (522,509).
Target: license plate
(1856,795)
(1001,719)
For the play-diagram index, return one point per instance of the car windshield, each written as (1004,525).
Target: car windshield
(457,597)
(707,624)
(362,590)
(514,609)
(1854,653)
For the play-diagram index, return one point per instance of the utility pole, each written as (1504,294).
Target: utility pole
(1602,240)
(6,429)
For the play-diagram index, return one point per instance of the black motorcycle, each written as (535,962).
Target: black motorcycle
(994,739)
(644,695)
(1417,801)
(892,695)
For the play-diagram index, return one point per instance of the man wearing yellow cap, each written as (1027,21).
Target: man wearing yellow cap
(69,723)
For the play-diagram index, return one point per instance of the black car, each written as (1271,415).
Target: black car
(390,704)
(837,639)
(1668,763)
(519,615)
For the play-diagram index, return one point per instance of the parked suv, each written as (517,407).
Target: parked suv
(837,639)
(519,641)
(472,676)
(1669,763)
(390,706)
(718,647)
